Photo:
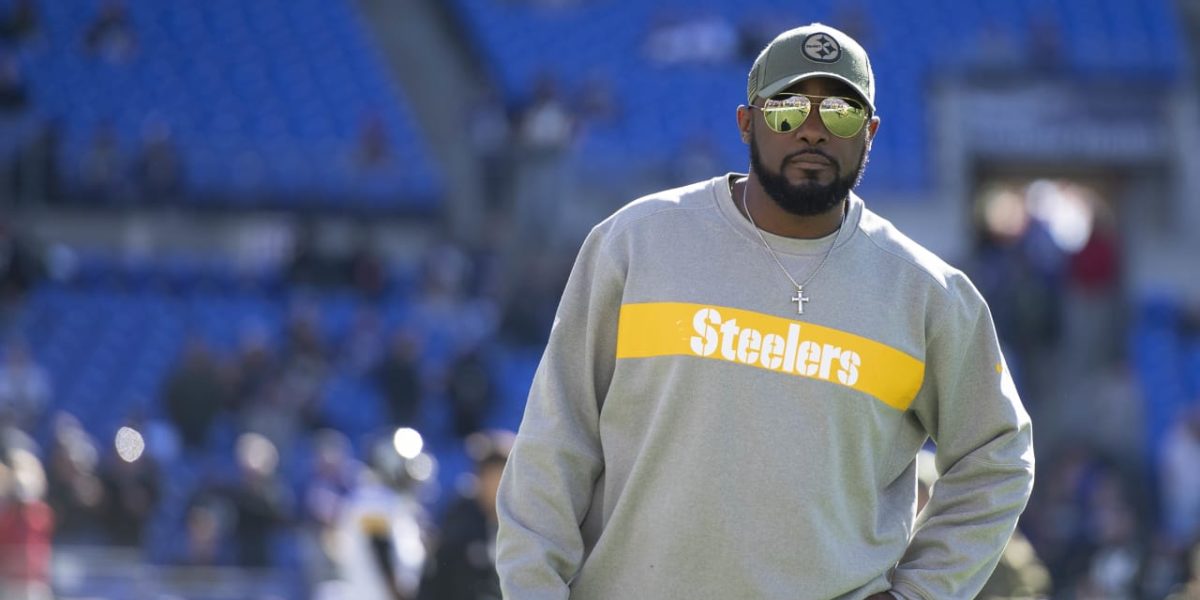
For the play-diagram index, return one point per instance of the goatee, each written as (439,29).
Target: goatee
(807,198)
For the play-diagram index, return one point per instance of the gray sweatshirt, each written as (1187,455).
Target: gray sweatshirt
(689,436)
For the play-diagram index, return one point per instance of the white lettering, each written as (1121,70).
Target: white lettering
(828,353)
(749,343)
(771,348)
(848,374)
(729,331)
(789,355)
(706,345)
(809,358)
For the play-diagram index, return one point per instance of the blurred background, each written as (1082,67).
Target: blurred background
(275,274)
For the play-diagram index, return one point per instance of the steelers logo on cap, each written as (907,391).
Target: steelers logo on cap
(822,48)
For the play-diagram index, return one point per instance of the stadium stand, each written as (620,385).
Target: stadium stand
(267,101)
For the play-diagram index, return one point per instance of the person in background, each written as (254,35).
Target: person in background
(379,538)
(194,394)
(464,565)
(111,35)
(26,528)
(25,389)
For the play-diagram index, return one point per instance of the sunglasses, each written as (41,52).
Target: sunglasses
(843,117)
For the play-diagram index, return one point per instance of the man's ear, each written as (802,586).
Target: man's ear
(872,128)
(744,121)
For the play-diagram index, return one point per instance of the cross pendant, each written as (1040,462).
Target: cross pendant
(800,299)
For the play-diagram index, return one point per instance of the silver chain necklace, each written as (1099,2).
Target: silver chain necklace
(799,298)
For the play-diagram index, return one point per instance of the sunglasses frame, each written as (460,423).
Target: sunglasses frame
(851,101)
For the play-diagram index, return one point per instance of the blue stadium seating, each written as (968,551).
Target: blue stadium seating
(266,99)
(911,44)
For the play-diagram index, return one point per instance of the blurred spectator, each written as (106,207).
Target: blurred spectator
(546,133)
(1020,271)
(291,402)
(464,563)
(1165,568)
(546,126)
(74,490)
(261,502)
(380,542)
(491,134)
(14,95)
(20,269)
(374,147)
(1096,320)
(26,528)
(1179,474)
(103,168)
(470,389)
(255,368)
(307,266)
(365,345)
(194,394)
(333,478)
(304,352)
(1190,590)
(534,300)
(111,35)
(365,270)
(1056,519)
(24,387)
(1045,43)
(398,377)
(206,526)
(158,166)
(20,22)
(445,314)
(38,175)
(131,494)
(1117,547)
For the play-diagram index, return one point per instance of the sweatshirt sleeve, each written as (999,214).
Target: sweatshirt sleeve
(547,486)
(984,454)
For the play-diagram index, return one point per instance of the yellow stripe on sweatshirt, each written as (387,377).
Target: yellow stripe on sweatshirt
(772,343)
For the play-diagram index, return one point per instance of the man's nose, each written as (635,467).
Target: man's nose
(812,131)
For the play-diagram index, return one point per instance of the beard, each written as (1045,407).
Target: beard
(807,198)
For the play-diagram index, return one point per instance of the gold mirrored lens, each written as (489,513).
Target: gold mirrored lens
(783,114)
(842,116)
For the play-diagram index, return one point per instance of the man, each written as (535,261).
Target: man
(692,433)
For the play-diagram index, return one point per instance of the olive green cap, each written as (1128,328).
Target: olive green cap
(813,50)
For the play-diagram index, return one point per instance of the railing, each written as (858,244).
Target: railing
(103,573)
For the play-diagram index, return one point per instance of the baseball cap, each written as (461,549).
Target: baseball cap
(814,50)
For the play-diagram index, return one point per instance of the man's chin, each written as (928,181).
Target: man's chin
(808,180)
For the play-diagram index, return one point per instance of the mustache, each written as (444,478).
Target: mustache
(797,154)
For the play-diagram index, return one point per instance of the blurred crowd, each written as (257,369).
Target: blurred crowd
(1115,510)
(244,459)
